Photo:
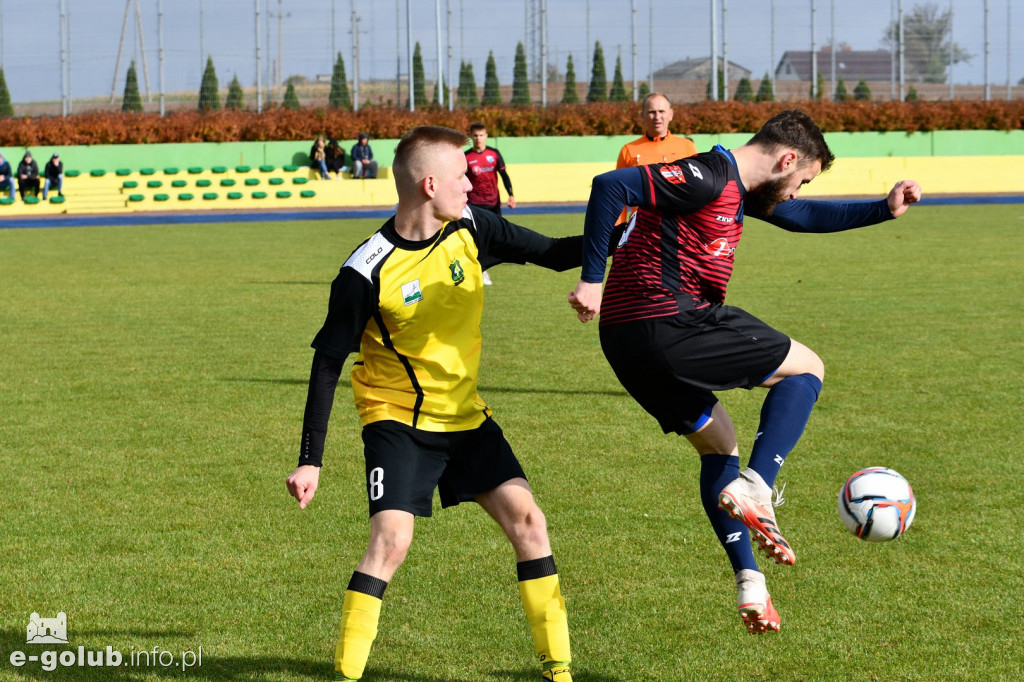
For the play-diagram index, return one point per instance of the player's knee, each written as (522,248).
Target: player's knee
(529,525)
(392,545)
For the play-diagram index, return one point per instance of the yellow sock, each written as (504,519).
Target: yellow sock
(359,616)
(545,609)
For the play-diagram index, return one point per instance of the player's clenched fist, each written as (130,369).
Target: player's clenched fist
(302,484)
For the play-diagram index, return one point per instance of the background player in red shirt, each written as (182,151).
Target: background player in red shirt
(483,166)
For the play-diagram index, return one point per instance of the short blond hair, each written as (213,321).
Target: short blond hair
(411,162)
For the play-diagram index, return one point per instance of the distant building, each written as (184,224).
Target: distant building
(698,70)
(851,65)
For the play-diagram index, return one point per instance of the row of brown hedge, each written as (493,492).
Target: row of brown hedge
(592,119)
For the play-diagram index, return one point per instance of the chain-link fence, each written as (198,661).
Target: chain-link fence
(67,56)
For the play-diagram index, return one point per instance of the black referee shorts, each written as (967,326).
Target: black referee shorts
(671,365)
(404,465)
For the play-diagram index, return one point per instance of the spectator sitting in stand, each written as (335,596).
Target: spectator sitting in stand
(53,176)
(28,176)
(318,158)
(335,158)
(5,176)
(363,165)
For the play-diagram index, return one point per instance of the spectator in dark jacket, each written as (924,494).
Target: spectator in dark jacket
(28,175)
(53,176)
(363,165)
(335,158)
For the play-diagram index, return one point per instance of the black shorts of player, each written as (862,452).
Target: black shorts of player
(496,209)
(404,465)
(671,365)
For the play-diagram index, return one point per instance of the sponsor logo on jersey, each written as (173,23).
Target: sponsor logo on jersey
(458,274)
(673,174)
(724,219)
(411,292)
(695,171)
(489,157)
(719,248)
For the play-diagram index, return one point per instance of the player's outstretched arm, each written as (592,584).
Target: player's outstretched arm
(302,483)
(902,195)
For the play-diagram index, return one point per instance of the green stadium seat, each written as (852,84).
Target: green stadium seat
(219,169)
(267,169)
(203,182)
(31,200)
(259,195)
(195,170)
(170,171)
(290,168)
(72,173)
(307,194)
(97,172)
(276,181)
(136,197)
(283,194)
(6,201)
(242,169)
(160,197)
(234,195)
(251,182)
(227,182)
(178,183)
(129,184)
(121,172)
(147,171)
(154,184)
(299,180)
(209,196)
(185,196)
(56,199)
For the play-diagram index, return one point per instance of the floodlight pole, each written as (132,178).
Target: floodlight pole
(814,51)
(714,51)
(636,86)
(160,49)
(408,45)
(63,58)
(259,62)
(725,57)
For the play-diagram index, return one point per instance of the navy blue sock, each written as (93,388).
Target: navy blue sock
(784,415)
(717,471)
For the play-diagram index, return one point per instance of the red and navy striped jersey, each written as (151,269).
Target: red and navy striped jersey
(482,170)
(677,254)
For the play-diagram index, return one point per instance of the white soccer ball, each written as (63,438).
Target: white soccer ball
(877,504)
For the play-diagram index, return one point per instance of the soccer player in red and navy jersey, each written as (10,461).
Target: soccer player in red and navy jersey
(672,341)
(484,166)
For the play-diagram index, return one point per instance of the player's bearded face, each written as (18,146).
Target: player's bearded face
(762,201)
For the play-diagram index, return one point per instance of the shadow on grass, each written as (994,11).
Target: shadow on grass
(621,393)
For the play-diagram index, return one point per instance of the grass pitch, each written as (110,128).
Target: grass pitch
(152,381)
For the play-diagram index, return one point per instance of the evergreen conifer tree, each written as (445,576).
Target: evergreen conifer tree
(570,96)
(492,89)
(209,90)
(6,109)
(862,93)
(419,87)
(339,97)
(618,91)
(598,91)
(132,101)
(765,92)
(291,99)
(744,91)
(842,94)
(467,95)
(721,87)
(643,90)
(520,79)
(912,95)
(236,96)
(820,94)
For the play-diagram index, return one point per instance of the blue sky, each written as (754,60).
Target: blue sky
(30,45)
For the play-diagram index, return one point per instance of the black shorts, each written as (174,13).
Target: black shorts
(672,365)
(404,465)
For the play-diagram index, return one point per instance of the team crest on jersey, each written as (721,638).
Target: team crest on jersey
(673,174)
(411,292)
(458,274)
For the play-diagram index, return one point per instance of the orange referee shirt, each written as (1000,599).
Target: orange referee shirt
(645,150)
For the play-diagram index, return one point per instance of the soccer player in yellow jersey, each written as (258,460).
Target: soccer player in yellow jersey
(658,144)
(409,301)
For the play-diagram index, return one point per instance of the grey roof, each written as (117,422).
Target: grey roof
(851,65)
(698,69)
